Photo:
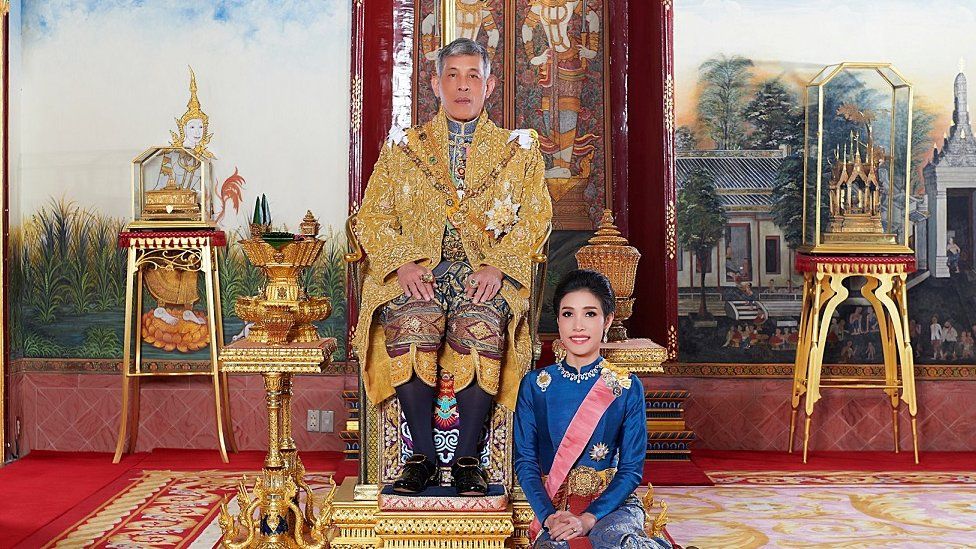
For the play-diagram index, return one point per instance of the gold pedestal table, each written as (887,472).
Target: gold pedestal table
(823,291)
(280,521)
(189,250)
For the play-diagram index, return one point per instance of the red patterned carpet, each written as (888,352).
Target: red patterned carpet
(169,498)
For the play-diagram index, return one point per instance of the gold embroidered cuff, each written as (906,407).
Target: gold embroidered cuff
(467,368)
(423,363)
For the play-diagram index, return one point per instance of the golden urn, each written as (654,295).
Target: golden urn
(283,313)
(610,254)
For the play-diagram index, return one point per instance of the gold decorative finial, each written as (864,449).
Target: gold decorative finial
(310,226)
(607,232)
(193,112)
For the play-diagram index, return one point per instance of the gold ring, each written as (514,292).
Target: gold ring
(427,277)
(473,283)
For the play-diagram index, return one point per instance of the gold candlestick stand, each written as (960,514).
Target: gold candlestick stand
(271,516)
(823,291)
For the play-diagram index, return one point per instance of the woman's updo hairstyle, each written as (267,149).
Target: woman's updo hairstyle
(591,281)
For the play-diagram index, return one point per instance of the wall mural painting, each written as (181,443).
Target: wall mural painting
(480,20)
(739,93)
(74,305)
(67,273)
(554,80)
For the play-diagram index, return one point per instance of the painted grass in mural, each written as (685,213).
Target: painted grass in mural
(68,287)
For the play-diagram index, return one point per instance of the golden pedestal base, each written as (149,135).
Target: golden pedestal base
(271,515)
(359,523)
(823,291)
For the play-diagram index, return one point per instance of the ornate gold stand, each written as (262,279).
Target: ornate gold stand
(280,521)
(183,250)
(823,291)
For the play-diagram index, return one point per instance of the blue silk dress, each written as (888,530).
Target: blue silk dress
(547,401)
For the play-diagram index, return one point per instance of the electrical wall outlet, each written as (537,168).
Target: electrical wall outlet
(327,421)
(312,424)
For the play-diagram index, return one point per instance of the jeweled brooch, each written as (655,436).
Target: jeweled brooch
(599,451)
(543,380)
(502,216)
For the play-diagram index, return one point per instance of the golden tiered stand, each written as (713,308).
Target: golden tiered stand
(823,291)
(189,250)
(281,521)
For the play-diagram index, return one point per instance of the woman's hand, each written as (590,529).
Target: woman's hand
(564,525)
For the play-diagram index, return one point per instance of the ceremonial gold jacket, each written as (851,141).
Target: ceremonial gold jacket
(502,215)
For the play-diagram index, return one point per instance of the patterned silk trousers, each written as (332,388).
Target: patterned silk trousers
(475,332)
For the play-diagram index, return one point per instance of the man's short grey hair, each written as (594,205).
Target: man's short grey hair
(464,46)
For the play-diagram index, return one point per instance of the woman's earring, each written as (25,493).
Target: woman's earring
(606,334)
(559,351)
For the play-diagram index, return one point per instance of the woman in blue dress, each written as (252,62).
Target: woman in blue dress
(580,432)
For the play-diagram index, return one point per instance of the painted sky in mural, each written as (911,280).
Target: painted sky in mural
(96,82)
(102,80)
(924,40)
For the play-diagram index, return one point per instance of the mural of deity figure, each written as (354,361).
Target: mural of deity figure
(562,68)
(471,16)
(175,290)
(180,170)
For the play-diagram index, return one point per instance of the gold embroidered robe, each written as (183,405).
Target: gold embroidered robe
(408,201)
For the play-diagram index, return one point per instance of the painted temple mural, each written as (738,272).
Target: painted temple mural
(74,190)
(553,80)
(739,132)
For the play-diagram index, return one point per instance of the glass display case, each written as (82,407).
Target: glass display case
(857,155)
(171,189)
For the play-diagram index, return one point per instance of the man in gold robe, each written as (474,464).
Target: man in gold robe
(449,220)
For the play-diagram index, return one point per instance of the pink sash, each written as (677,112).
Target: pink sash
(574,442)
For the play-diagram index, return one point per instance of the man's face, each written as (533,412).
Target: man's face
(462,87)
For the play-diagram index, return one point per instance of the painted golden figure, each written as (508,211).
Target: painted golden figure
(450,217)
(471,16)
(562,67)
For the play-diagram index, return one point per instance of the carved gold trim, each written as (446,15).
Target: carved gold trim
(285,359)
(445,525)
(667,4)
(672,342)
(356,104)
(669,104)
(671,238)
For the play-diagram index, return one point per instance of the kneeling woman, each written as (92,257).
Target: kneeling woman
(581,431)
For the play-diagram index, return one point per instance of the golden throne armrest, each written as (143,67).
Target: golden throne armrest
(355,257)
(540,258)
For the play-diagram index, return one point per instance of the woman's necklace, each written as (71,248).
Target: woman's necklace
(576,377)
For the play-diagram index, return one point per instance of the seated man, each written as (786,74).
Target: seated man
(448,222)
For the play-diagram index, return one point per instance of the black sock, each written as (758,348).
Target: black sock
(417,402)
(474,405)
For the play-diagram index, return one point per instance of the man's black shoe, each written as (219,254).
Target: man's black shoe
(418,473)
(469,479)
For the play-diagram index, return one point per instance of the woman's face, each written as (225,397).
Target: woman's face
(194,132)
(581,325)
